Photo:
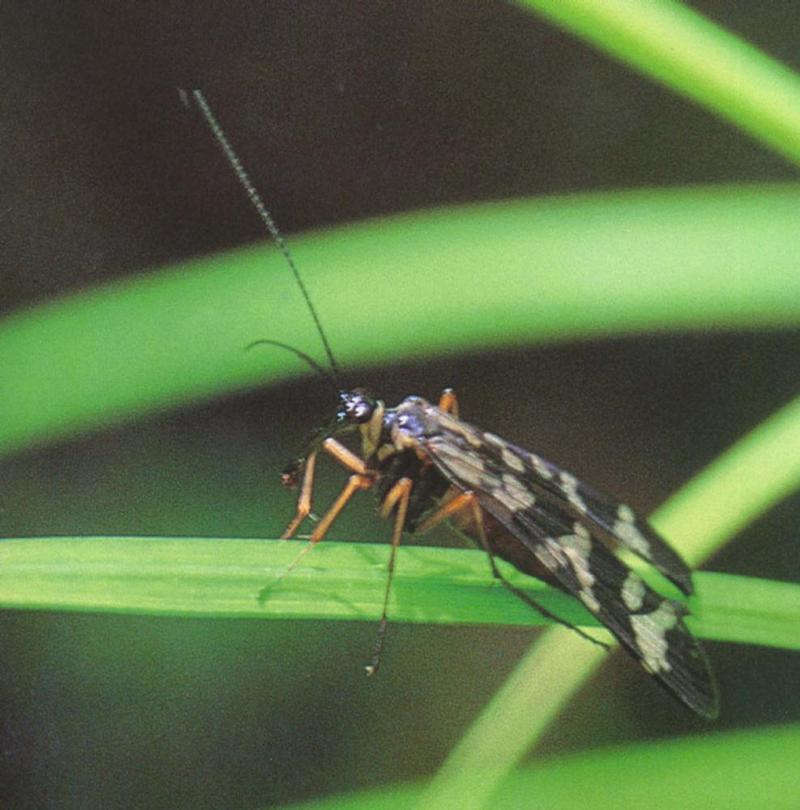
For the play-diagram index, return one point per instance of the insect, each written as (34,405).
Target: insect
(427,466)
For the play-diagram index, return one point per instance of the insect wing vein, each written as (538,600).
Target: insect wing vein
(612,521)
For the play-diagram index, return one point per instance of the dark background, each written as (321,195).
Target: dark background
(341,111)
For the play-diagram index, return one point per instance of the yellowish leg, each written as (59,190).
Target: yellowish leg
(399,495)
(354,484)
(345,457)
(304,501)
(447,510)
(361,479)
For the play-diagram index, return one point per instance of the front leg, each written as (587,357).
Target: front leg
(345,457)
(304,501)
(361,478)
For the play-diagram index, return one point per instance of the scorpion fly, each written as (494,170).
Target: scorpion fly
(427,465)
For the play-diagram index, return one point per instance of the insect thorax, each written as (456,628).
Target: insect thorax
(387,431)
(391,445)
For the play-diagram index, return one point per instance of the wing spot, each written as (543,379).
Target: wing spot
(569,486)
(545,554)
(467,472)
(489,482)
(625,513)
(473,439)
(512,460)
(633,592)
(650,631)
(577,547)
(631,537)
(540,466)
(461,429)
(492,438)
(581,531)
(518,491)
(589,599)
(508,500)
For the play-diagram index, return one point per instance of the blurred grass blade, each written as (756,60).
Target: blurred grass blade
(738,770)
(760,470)
(697,520)
(688,53)
(581,266)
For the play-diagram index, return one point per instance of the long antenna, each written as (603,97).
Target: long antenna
(266,217)
(309,361)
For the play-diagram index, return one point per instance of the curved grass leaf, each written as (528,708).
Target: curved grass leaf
(587,265)
(680,48)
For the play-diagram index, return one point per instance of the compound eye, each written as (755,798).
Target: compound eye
(361,411)
(355,407)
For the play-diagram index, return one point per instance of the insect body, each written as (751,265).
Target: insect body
(428,466)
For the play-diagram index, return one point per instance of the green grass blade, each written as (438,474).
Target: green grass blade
(223,578)
(697,520)
(678,47)
(694,773)
(582,266)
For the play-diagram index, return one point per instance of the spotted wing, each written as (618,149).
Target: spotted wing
(608,519)
(648,625)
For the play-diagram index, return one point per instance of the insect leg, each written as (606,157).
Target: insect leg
(468,501)
(361,479)
(304,501)
(397,495)
(354,484)
(345,457)
(461,501)
(448,402)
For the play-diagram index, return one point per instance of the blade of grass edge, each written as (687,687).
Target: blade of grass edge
(697,520)
(688,53)
(662,775)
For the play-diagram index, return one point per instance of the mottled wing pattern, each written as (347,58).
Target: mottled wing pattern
(612,521)
(571,547)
